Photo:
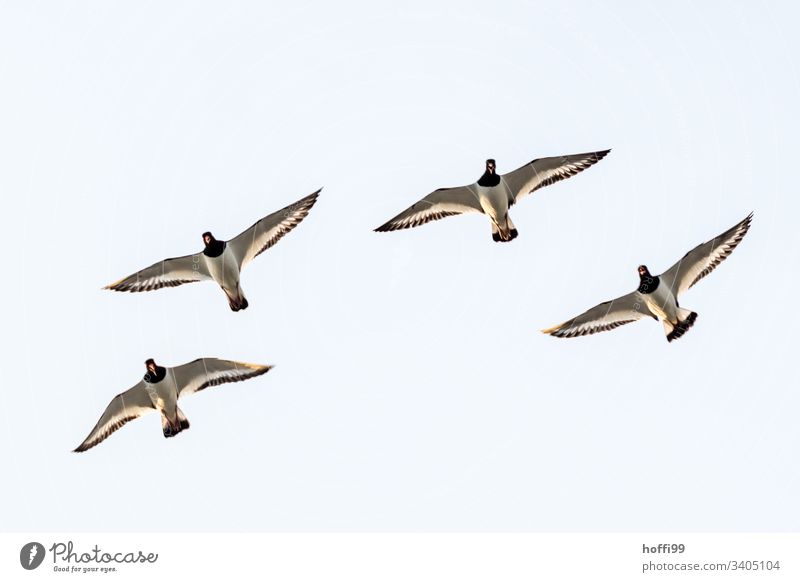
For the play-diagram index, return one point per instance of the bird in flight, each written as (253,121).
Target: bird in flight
(657,296)
(493,194)
(160,390)
(221,261)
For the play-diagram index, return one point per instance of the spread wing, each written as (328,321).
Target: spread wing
(123,408)
(545,171)
(704,258)
(205,372)
(438,204)
(270,229)
(167,273)
(604,317)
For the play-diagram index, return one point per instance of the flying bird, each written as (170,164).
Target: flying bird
(221,261)
(160,390)
(657,296)
(493,194)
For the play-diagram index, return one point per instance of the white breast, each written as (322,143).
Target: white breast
(153,393)
(164,393)
(662,303)
(224,268)
(494,200)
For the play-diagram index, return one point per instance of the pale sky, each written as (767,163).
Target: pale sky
(412,389)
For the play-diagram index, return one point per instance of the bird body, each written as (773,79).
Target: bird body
(225,271)
(662,303)
(494,201)
(163,395)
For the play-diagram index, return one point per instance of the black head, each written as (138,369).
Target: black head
(647,283)
(208,238)
(151,365)
(490,166)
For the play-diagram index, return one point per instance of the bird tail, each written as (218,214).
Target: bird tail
(170,429)
(237,300)
(686,320)
(504,231)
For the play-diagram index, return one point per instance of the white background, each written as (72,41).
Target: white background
(412,389)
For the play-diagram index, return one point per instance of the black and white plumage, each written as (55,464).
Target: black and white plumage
(493,194)
(221,261)
(160,390)
(657,296)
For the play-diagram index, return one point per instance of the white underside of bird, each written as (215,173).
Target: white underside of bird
(225,271)
(663,304)
(494,203)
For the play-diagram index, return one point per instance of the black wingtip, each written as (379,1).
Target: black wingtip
(748,220)
(312,198)
(306,202)
(745,224)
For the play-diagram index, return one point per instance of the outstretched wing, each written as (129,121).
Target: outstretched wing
(604,317)
(123,408)
(205,372)
(704,258)
(270,229)
(436,205)
(545,171)
(167,273)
